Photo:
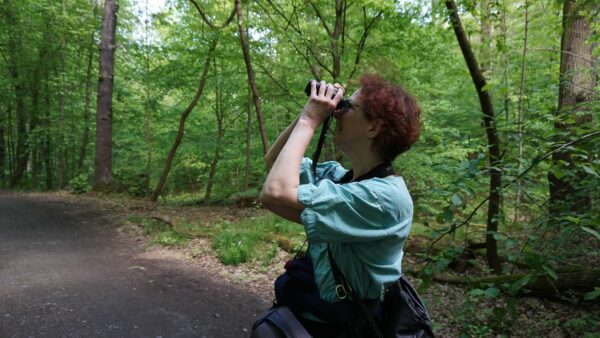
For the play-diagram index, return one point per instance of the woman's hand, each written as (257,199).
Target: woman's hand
(321,103)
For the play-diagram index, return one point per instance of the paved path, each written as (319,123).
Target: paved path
(66,274)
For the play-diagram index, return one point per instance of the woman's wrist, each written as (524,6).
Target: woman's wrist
(312,122)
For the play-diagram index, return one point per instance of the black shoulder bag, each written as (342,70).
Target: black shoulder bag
(404,315)
(403,312)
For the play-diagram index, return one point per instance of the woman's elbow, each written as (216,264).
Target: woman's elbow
(273,196)
(269,196)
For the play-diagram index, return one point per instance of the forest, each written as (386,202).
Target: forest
(176,102)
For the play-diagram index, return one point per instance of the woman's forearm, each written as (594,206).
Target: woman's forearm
(280,189)
(282,182)
(281,140)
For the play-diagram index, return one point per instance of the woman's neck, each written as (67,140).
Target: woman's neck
(363,164)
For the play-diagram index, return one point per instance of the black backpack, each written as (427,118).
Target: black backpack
(403,312)
(404,315)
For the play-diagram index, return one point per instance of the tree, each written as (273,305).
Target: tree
(251,76)
(576,93)
(103,161)
(491,133)
(183,118)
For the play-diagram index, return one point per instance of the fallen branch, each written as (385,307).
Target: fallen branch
(582,280)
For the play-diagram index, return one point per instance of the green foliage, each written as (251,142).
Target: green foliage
(168,238)
(160,233)
(158,61)
(80,184)
(255,239)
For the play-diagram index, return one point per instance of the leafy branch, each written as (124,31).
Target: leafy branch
(535,162)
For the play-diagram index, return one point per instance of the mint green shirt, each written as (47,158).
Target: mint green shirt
(365,223)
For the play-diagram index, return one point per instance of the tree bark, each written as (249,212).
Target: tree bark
(248,143)
(219,114)
(182,119)
(147,104)
(103,160)
(576,88)
(520,110)
(251,78)
(487,109)
(86,111)
(47,139)
(85,137)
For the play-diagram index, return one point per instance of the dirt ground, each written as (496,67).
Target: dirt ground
(203,281)
(65,271)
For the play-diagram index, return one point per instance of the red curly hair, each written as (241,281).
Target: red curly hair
(396,108)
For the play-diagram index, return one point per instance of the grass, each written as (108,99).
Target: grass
(247,240)
(160,233)
(256,239)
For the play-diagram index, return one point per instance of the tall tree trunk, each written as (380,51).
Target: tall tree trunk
(219,114)
(251,78)
(10,147)
(147,104)
(182,119)
(576,89)
(47,135)
(103,160)
(34,141)
(248,143)
(520,111)
(492,136)
(85,137)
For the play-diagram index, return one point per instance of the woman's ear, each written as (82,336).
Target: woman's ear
(375,129)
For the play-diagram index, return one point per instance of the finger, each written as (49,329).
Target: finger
(331,91)
(340,92)
(322,88)
(313,88)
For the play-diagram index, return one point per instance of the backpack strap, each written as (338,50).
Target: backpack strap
(343,290)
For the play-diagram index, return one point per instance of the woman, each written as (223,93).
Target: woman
(363,216)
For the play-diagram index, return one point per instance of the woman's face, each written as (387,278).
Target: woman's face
(351,125)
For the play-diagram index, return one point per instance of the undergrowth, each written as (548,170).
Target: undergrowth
(253,239)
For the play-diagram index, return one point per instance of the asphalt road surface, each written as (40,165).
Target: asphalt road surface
(66,274)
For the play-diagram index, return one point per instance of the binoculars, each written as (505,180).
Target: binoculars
(341,105)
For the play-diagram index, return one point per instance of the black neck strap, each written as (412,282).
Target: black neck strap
(381,170)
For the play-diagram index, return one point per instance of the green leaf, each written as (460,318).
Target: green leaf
(550,272)
(442,264)
(456,200)
(488,87)
(592,232)
(516,286)
(509,243)
(589,170)
(592,295)
(491,293)
(558,173)
(448,215)
(572,219)
(476,293)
